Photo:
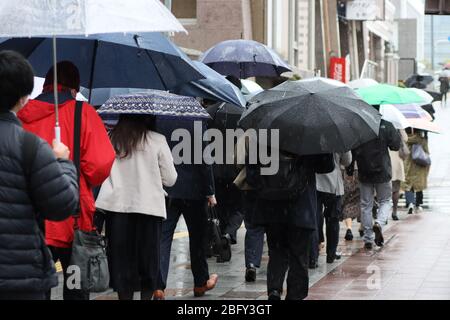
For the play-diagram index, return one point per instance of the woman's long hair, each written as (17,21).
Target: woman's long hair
(130,133)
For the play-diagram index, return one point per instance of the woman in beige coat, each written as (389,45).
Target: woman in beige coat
(416,175)
(398,174)
(134,200)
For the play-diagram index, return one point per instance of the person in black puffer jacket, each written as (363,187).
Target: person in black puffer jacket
(34,185)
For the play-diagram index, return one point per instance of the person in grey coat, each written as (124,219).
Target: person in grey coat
(35,183)
(330,189)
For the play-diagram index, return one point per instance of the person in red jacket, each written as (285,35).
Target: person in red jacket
(96,157)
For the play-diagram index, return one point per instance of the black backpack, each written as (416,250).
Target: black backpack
(287,184)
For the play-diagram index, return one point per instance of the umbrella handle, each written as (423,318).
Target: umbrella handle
(58,134)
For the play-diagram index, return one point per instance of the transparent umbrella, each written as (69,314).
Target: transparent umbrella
(55,18)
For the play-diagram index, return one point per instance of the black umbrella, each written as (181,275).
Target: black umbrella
(224,115)
(314,116)
(419,81)
(436,95)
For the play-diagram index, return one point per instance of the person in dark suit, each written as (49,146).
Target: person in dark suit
(190,196)
(289,227)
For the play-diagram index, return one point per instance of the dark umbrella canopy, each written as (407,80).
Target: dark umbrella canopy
(214,87)
(418,81)
(224,115)
(244,59)
(314,116)
(436,96)
(146,61)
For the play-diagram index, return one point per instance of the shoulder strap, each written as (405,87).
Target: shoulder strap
(77,148)
(77,136)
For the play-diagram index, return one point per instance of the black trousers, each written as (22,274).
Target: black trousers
(64,255)
(288,250)
(15,296)
(196,217)
(329,208)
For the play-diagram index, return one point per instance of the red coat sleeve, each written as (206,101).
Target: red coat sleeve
(97,153)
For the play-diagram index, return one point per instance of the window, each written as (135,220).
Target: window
(184,9)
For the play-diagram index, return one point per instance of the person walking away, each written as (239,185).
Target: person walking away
(134,200)
(398,172)
(445,85)
(190,196)
(351,201)
(36,183)
(254,234)
(416,179)
(330,189)
(96,157)
(375,173)
(286,206)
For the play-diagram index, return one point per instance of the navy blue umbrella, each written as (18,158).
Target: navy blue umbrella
(214,87)
(244,59)
(144,61)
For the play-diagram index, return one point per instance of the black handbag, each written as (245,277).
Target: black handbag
(89,248)
(218,244)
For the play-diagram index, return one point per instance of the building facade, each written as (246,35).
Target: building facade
(306,33)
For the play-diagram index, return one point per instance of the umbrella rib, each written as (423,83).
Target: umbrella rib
(136,37)
(94,60)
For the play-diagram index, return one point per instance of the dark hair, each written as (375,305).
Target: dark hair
(16,79)
(237,82)
(130,132)
(68,75)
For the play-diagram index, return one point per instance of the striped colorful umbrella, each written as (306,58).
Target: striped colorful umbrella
(418,118)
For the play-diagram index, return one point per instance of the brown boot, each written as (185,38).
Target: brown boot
(210,284)
(159,295)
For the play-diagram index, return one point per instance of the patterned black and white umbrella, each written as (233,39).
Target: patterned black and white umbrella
(154,102)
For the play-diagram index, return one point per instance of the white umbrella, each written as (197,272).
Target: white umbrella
(394,116)
(34,18)
(55,18)
(362,83)
(428,98)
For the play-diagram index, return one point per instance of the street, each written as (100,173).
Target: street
(413,264)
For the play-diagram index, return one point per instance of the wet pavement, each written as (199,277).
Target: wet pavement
(413,264)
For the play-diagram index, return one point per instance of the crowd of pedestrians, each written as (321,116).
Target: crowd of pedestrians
(144,192)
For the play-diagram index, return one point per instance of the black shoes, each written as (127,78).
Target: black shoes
(349,235)
(379,240)
(231,238)
(274,295)
(250,274)
(368,246)
(395,217)
(410,208)
(331,258)
(361,233)
(313,264)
